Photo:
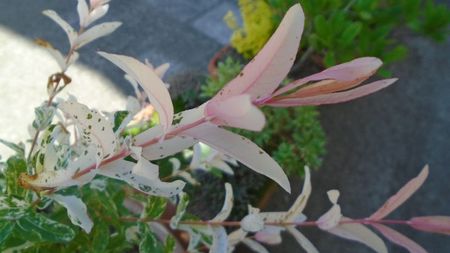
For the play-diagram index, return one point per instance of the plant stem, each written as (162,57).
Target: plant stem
(279,224)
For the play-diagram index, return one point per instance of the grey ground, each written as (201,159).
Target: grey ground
(375,144)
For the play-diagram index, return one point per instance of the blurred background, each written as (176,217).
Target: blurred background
(373,145)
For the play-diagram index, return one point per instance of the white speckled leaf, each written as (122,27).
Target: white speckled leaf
(96,32)
(123,170)
(93,126)
(76,211)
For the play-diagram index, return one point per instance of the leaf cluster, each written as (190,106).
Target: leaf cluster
(293,136)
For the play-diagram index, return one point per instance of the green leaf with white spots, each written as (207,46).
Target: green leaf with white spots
(11,208)
(38,228)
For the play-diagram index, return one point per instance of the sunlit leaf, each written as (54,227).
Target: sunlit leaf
(271,65)
(153,86)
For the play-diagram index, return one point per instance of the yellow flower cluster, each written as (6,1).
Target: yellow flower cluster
(256,30)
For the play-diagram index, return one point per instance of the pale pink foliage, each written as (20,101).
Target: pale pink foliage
(401,196)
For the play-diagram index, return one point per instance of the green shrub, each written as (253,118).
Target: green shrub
(345,29)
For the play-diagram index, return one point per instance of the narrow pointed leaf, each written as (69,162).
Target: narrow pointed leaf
(359,233)
(242,150)
(399,239)
(96,32)
(6,227)
(301,201)
(167,147)
(334,98)
(271,65)
(302,240)
(401,196)
(255,246)
(220,240)
(227,204)
(83,12)
(153,86)
(432,224)
(344,76)
(70,32)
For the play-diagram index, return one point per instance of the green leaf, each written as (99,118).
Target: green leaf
(149,243)
(119,116)
(44,116)
(350,33)
(5,230)
(11,208)
(154,207)
(181,210)
(329,59)
(100,237)
(18,148)
(14,167)
(169,245)
(38,228)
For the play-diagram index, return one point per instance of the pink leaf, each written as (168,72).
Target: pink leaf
(271,65)
(399,239)
(237,111)
(359,233)
(242,150)
(333,98)
(433,224)
(401,196)
(344,75)
(96,32)
(153,86)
